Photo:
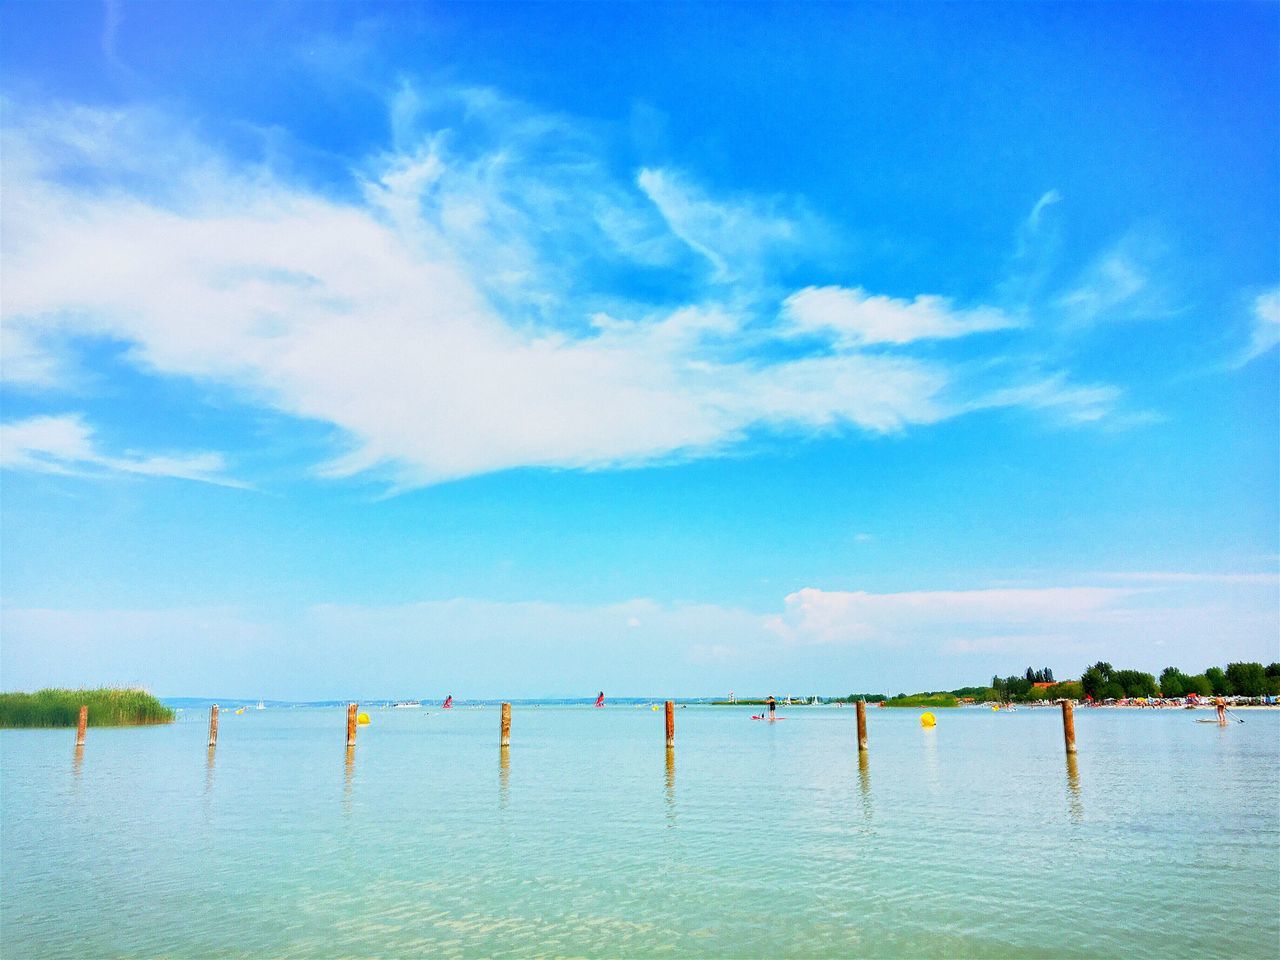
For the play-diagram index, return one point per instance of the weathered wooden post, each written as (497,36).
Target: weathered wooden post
(671,724)
(504,729)
(213,725)
(1069,725)
(861,706)
(80,727)
(351,724)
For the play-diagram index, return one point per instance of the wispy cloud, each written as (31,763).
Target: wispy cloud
(1111,282)
(65,444)
(1264,333)
(1047,199)
(1132,280)
(857,317)
(473,307)
(735,236)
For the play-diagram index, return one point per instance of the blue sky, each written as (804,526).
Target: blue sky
(365,350)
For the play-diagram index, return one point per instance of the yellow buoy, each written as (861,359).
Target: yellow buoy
(996,707)
(928,720)
(363,718)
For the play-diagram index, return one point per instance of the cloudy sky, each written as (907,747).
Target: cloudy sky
(363,350)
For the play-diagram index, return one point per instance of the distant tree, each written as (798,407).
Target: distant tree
(1200,685)
(1000,687)
(1273,669)
(977,693)
(1017,687)
(1111,690)
(1068,690)
(1218,680)
(1032,675)
(1173,682)
(1273,686)
(1048,676)
(1247,679)
(1136,683)
(1095,678)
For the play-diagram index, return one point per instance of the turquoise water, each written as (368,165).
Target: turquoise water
(756,840)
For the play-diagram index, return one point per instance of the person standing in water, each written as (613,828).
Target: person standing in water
(773,706)
(600,699)
(1222,710)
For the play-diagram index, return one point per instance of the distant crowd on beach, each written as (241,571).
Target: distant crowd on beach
(1240,684)
(1187,703)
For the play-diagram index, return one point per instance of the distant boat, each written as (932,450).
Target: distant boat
(407,705)
(261,705)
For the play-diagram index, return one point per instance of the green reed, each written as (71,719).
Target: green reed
(924,700)
(108,707)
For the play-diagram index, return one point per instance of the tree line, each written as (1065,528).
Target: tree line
(1102,681)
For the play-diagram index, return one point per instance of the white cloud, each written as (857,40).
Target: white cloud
(859,318)
(65,444)
(449,322)
(25,363)
(1180,618)
(822,616)
(1265,333)
(832,641)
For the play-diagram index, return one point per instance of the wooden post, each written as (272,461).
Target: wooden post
(84,722)
(213,725)
(351,724)
(504,729)
(671,724)
(861,706)
(1069,725)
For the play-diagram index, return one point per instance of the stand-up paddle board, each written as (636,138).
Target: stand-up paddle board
(770,719)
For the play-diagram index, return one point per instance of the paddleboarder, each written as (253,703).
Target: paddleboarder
(773,707)
(1221,704)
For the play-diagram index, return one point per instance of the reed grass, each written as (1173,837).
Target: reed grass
(108,707)
(924,700)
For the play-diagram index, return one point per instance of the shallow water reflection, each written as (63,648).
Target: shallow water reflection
(1075,805)
(669,786)
(504,776)
(864,783)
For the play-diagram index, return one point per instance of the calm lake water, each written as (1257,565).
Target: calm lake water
(975,839)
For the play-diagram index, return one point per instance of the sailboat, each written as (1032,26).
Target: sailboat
(261,705)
